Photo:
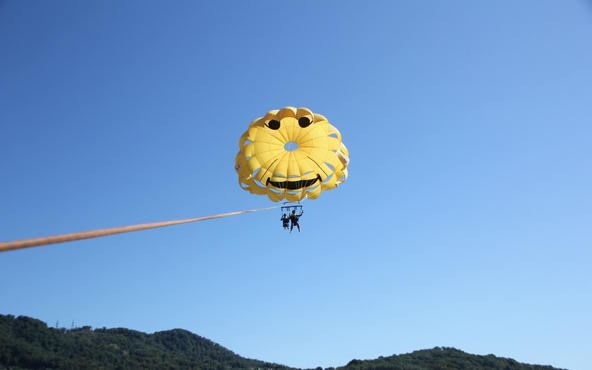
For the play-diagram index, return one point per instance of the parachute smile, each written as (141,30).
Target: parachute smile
(293,185)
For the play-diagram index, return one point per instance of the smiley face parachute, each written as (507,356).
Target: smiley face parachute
(291,154)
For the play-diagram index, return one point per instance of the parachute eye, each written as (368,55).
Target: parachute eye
(304,122)
(273,124)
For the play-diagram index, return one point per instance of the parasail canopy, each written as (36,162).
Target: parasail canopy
(291,154)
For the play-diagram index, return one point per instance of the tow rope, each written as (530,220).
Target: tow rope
(35,242)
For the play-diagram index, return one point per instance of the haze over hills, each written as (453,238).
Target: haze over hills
(27,343)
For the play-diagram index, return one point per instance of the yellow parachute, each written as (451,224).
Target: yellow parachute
(291,154)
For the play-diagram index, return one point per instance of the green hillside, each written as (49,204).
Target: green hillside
(441,359)
(27,343)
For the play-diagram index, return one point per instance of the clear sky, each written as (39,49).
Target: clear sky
(466,220)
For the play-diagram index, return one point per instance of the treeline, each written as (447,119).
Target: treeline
(28,344)
(441,359)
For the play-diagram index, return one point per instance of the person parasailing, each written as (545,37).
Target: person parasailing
(294,219)
(285,219)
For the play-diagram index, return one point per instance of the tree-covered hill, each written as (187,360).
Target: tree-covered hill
(27,343)
(441,359)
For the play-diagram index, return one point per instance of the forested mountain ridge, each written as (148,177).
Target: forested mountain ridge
(27,343)
(441,359)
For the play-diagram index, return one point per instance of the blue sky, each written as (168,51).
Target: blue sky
(465,221)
